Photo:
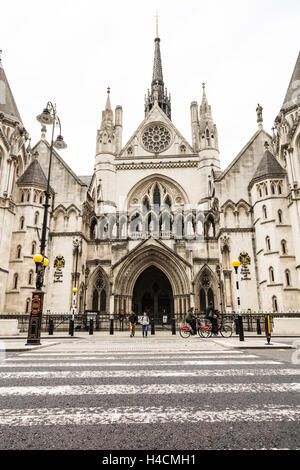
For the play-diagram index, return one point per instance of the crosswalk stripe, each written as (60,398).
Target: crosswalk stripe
(135,415)
(135,354)
(150,373)
(135,364)
(79,358)
(151,389)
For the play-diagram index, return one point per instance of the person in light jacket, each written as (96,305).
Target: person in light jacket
(145,325)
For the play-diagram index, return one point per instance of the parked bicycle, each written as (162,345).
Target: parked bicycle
(205,331)
(226,330)
(186,331)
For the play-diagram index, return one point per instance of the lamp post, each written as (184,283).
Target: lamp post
(218,271)
(48,117)
(74,302)
(236,264)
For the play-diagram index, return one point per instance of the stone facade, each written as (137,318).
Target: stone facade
(157,224)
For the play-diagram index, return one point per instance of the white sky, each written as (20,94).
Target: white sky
(70,51)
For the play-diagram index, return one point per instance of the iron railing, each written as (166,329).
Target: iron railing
(102,321)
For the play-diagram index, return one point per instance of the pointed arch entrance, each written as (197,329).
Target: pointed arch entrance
(167,273)
(153,293)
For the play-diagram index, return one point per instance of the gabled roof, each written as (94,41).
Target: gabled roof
(86,179)
(219,176)
(33,175)
(292,96)
(268,166)
(7,102)
(60,159)
(164,118)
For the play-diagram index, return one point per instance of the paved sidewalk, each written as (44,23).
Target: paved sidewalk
(120,341)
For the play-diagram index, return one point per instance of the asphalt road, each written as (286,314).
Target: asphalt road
(159,400)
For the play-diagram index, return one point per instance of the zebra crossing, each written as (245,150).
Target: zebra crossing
(195,394)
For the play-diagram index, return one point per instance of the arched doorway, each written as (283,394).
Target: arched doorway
(153,293)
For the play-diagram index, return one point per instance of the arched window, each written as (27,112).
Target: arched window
(283,247)
(15,281)
(41,199)
(288,277)
(273,188)
(280,216)
(19,249)
(279,188)
(202,301)
(274,304)
(30,277)
(36,218)
(22,196)
(266,190)
(93,230)
(207,137)
(33,248)
(27,305)
(260,192)
(34,197)
(271,274)
(168,202)
(95,300)
(268,243)
(28,196)
(21,223)
(103,301)
(265,212)
(146,205)
(156,196)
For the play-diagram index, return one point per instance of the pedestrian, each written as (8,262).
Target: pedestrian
(191,319)
(145,324)
(212,317)
(132,323)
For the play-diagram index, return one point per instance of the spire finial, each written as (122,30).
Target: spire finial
(156,22)
(259,111)
(108,105)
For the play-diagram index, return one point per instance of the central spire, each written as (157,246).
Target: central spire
(158,93)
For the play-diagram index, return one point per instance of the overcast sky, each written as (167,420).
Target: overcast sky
(70,51)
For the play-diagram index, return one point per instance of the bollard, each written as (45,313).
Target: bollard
(111,330)
(241,328)
(51,327)
(91,329)
(71,328)
(268,329)
(236,321)
(258,326)
(152,327)
(173,326)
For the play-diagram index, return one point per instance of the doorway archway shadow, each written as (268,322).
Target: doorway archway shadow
(153,293)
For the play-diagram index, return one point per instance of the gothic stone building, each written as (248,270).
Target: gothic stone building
(157,224)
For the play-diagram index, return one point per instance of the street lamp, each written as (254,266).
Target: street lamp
(236,264)
(48,117)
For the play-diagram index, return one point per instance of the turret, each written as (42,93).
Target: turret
(109,142)
(208,145)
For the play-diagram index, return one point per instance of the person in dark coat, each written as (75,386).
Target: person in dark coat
(191,319)
(132,322)
(212,317)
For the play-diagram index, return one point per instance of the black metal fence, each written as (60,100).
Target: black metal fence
(60,322)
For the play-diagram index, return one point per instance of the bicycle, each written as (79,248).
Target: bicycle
(187,331)
(225,330)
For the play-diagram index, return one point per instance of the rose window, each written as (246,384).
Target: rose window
(156,138)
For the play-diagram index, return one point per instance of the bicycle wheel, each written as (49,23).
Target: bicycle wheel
(226,331)
(205,331)
(185,332)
